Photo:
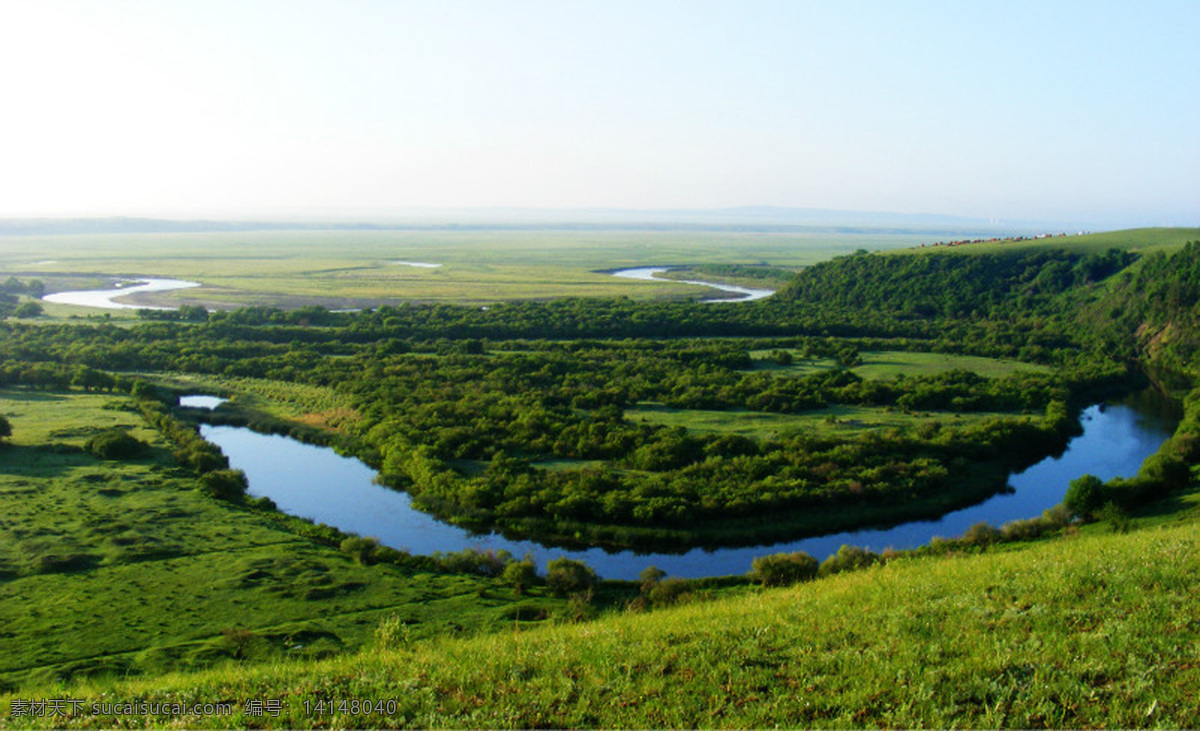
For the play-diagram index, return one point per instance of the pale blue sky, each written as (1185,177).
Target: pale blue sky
(1082,111)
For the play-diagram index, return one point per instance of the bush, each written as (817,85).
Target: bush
(1116,517)
(362,550)
(114,444)
(982,534)
(487,562)
(224,484)
(668,592)
(565,576)
(28,309)
(1084,496)
(520,575)
(1026,529)
(649,578)
(783,569)
(1057,517)
(393,633)
(848,558)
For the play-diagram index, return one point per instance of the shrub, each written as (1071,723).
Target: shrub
(668,592)
(520,575)
(782,569)
(649,578)
(362,550)
(1057,517)
(848,558)
(982,534)
(224,484)
(1166,470)
(114,444)
(487,562)
(28,309)
(1116,517)
(565,576)
(1026,529)
(1084,496)
(393,633)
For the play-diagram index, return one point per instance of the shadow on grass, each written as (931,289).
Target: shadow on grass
(1177,504)
(30,396)
(42,460)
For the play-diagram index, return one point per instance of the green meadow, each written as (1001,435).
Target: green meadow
(1140,240)
(1093,628)
(837,420)
(891,363)
(117,567)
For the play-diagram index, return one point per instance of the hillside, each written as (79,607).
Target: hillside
(1098,629)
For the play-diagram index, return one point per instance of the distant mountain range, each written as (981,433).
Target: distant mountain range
(748,218)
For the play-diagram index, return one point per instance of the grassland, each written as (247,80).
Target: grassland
(1094,629)
(837,420)
(883,364)
(361,268)
(118,567)
(1141,240)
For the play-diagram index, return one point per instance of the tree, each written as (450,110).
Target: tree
(650,577)
(520,575)
(28,309)
(565,576)
(1085,496)
(5,428)
(225,484)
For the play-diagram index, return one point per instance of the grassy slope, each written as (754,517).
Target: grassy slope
(1097,629)
(1142,240)
(127,566)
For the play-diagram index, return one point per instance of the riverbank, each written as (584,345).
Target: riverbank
(1115,440)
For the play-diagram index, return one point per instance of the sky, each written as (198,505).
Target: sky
(1086,112)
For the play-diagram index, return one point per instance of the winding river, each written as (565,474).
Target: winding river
(106,298)
(317,483)
(651,274)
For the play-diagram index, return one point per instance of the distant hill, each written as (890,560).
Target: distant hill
(751,218)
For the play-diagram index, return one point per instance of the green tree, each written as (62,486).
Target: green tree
(520,575)
(565,576)
(1085,496)
(649,578)
(224,484)
(28,309)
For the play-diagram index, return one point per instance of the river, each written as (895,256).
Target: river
(651,274)
(106,298)
(317,483)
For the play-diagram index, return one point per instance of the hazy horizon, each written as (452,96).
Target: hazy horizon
(1006,113)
